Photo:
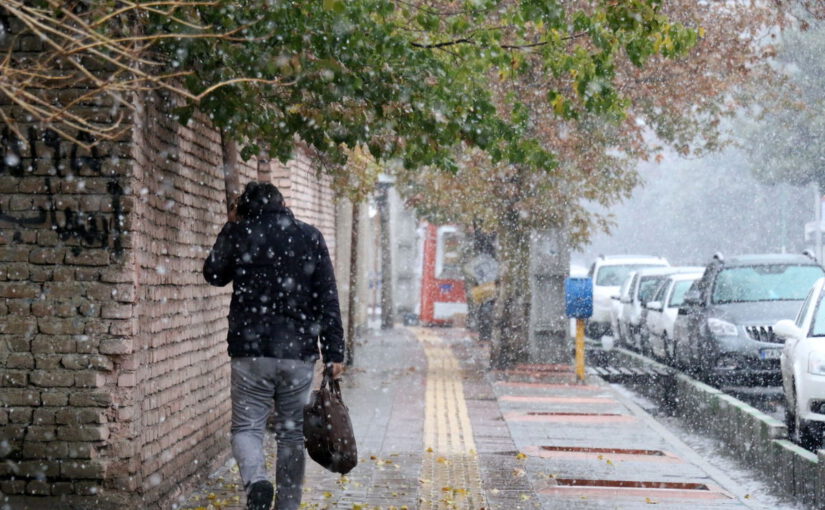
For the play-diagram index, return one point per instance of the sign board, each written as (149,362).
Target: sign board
(579,297)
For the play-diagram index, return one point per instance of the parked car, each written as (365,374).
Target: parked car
(643,286)
(608,273)
(657,325)
(724,329)
(803,369)
(616,308)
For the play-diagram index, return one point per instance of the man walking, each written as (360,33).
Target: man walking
(284,301)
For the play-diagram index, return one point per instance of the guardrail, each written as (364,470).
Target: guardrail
(749,435)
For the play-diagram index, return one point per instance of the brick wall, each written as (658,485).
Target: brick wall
(308,193)
(114,386)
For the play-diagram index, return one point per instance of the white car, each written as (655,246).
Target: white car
(643,286)
(803,369)
(608,273)
(662,312)
(616,308)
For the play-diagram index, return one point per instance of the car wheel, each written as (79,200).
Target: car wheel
(809,433)
(669,358)
(790,418)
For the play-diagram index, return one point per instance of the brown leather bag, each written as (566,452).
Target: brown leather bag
(328,431)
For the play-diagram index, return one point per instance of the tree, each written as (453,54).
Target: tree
(782,135)
(675,99)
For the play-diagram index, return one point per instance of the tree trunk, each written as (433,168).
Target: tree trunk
(229,150)
(512,310)
(353,284)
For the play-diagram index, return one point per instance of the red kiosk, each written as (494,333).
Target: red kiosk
(442,284)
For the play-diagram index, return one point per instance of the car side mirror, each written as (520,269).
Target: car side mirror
(655,306)
(692,298)
(787,329)
(682,311)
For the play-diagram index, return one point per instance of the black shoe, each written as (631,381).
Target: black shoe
(260,496)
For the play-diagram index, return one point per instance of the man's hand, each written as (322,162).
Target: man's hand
(337,370)
(233,211)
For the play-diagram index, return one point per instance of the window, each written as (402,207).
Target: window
(448,254)
(770,282)
(615,275)
(648,286)
(677,297)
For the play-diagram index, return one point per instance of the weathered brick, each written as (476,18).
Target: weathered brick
(88,258)
(14,378)
(18,306)
(87,361)
(13,486)
(45,344)
(84,488)
(41,274)
(17,325)
(47,255)
(89,309)
(62,488)
(80,416)
(14,254)
(20,414)
(89,379)
(83,433)
(19,397)
(17,271)
(44,416)
(116,311)
(127,327)
(86,274)
(45,450)
(52,379)
(40,433)
(38,468)
(128,380)
(38,488)
(47,361)
(88,398)
(81,450)
(118,346)
(55,398)
(55,326)
(63,290)
(20,360)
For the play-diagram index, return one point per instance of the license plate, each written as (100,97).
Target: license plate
(770,353)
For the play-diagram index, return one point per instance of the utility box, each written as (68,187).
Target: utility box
(579,297)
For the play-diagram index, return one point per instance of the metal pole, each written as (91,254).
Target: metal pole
(580,350)
(818,221)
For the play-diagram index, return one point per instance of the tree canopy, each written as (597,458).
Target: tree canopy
(408,79)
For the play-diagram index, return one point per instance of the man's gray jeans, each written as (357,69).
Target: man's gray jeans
(255,383)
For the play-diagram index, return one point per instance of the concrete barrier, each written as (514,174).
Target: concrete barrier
(748,434)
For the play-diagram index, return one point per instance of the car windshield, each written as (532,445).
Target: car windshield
(677,297)
(648,286)
(769,282)
(613,276)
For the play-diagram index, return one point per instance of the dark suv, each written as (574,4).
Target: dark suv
(724,330)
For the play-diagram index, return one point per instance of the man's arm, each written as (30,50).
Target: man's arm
(329,311)
(218,268)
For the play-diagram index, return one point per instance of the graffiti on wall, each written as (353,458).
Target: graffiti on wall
(67,161)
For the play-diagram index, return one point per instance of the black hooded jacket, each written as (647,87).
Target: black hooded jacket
(284,297)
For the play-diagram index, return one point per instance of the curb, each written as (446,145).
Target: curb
(749,435)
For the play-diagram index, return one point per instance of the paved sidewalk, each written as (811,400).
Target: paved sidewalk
(437,431)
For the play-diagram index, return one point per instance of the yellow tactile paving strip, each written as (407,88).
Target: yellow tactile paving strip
(450,476)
